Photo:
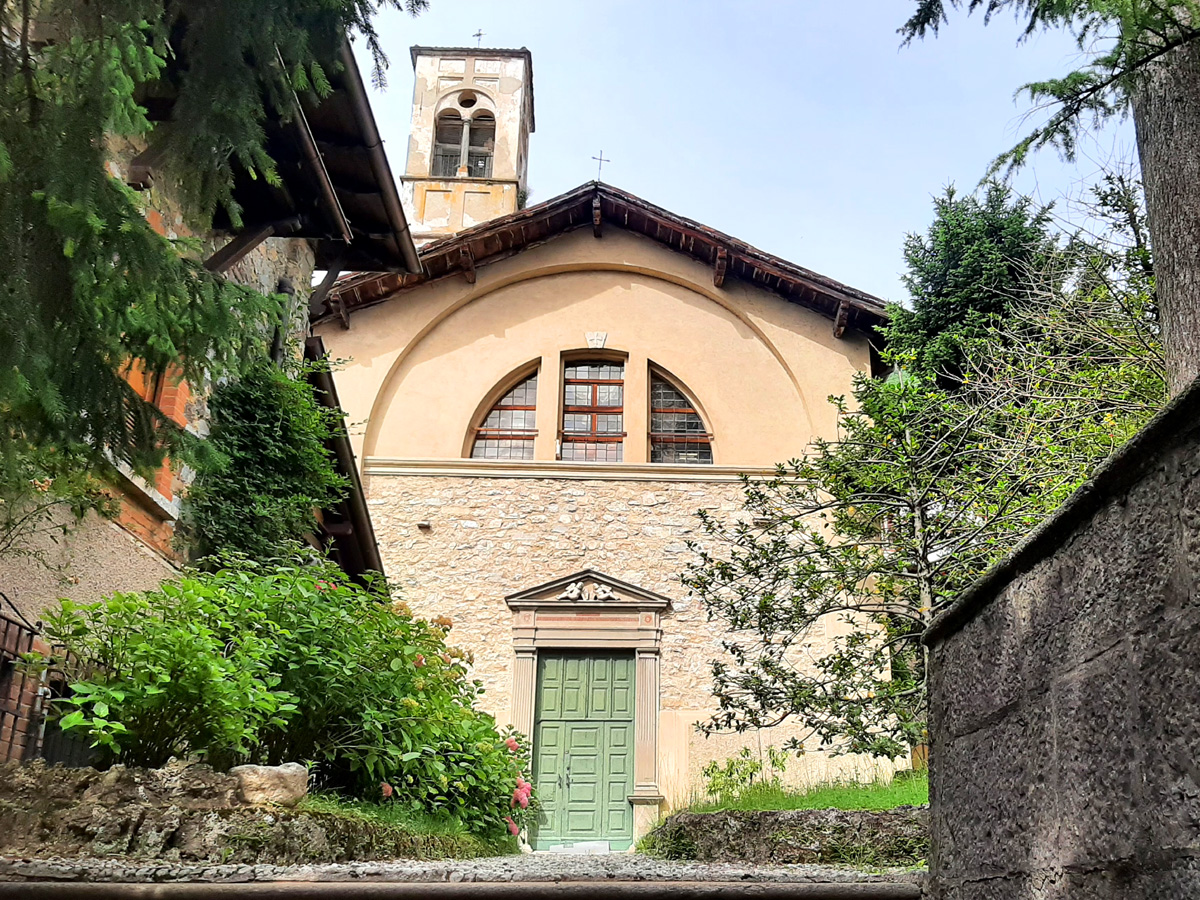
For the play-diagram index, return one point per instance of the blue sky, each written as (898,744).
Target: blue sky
(801,127)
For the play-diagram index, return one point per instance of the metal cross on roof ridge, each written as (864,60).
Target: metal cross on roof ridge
(478,37)
(600,161)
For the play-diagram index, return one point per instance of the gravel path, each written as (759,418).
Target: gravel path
(529,867)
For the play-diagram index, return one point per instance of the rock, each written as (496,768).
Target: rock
(283,785)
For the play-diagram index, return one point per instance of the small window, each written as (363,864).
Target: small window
(509,428)
(593,423)
(447,145)
(480,145)
(458,143)
(677,433)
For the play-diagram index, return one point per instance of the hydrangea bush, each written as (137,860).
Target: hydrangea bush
(287,661)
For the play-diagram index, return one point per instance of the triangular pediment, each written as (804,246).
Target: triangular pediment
(588,589)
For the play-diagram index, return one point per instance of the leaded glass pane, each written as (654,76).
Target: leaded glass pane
(510,419)
(676,423)
(587,451)
(682,453)
(577,395)
(502,448)
(506,432)
(608,424)
(577,422)
(596,371)
(608,394)
(524,394)
(664,396)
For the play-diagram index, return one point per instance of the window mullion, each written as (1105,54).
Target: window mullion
(464,145)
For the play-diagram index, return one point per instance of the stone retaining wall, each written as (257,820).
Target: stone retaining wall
(1065,694)
(864,838)
(187,814)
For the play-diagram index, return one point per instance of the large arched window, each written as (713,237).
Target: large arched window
(447,145)
(593,422)
(677,433)
(509,428)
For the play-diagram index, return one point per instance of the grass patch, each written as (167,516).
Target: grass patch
(415,834)
(906,789)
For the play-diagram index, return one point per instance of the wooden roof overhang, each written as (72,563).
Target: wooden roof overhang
(345,526)
(596,205)
(336,186)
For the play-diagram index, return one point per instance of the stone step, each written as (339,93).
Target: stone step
(561,890)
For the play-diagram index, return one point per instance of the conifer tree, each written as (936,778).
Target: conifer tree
(1140,57)
(86,285)
(972,264)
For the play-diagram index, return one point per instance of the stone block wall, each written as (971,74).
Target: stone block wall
(1065,694)
(489,537)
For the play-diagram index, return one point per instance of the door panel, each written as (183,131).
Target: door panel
(583,748)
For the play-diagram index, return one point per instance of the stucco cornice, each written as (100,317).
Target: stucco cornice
(482,468)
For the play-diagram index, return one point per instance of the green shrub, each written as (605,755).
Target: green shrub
(269,469)
(286,661)
(731,778)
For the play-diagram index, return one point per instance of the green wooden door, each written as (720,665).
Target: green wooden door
(583,748)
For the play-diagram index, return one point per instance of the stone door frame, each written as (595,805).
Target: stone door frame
(593,611)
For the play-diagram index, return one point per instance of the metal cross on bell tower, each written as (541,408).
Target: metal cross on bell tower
(478,37)
(600,161)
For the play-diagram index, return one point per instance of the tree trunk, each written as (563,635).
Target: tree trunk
(1166,112)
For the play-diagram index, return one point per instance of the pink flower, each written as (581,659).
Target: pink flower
(387,790)
(420,661)
(512,745)
(512,826)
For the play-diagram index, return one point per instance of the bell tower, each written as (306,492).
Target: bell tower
(468,147)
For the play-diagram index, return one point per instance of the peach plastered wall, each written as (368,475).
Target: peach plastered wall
(422,366)
(458,535)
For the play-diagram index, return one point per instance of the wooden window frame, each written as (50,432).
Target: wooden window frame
(482,432)
(677,437)
(593,409)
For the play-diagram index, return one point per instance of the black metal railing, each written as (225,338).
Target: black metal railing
(479,164)
(445,163)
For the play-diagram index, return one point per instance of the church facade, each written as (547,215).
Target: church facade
(543,410)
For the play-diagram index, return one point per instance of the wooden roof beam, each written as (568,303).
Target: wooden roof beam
(467,261)
(720,264)
(840,318)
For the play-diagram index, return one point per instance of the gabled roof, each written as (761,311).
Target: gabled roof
(599,205)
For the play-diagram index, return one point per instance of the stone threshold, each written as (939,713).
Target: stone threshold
(630,876)
(625,890)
